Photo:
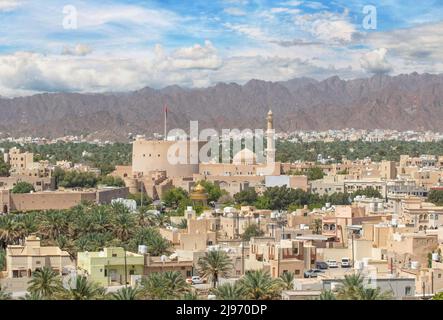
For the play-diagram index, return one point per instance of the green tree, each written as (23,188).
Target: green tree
(229,291)
(259,285)
(287,280)
(138,199)
(327,295)
(213,190)
(127,293)
(5,295)
(75,179)
(164,285)
(436,197)
(369,192)
(214,264)
(351,287)
(4,168)
(173,197)
(111,181)
(246,197)
(438,296)
(23,187)
(2,259)
(253,230)
(46,283)
(80,288)
(315,173)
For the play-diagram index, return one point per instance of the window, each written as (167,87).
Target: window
(408,291)
(114,255)
(188,273)
(131,272)
(297,272)
(106,272)
(37,262)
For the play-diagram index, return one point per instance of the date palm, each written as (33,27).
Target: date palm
(124,225)
(287,280)
(54,224)
(215,264)
(374,294)
(350,287)
(327,295)
(127,293)
(10,230)
(5,295)
(80,288)
(166,285)
(229,291)
(45,282)
(32,296)
(259,285)
(157,245)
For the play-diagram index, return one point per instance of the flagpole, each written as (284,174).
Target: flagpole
(165,127)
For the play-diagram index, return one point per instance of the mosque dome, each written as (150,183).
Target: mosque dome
(244,156)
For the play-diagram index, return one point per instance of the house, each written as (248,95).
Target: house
(107,267)
(22,260)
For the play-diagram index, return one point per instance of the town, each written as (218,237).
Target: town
(343,229)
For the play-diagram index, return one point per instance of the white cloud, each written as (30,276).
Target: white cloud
(79,50)
(8,5)
(248,30)
(285,10)
(292,3)
(328,26)
(233,11)
(25,73)
(196,57)
(376,62)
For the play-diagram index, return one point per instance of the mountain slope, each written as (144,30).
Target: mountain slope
(402,102)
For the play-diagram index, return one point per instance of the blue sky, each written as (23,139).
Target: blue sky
(129,44)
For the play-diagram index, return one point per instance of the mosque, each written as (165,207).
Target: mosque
(152,172)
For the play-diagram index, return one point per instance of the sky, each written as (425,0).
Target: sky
(125,45)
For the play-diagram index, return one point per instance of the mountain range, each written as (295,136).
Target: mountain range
(404,102)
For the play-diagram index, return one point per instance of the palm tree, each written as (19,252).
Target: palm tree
(375,294)
(166,285)
(54,224)
(157,245)
(191,295)
(45,282)
(5,295)
(350,287)
(82,289)
(124,225)
(216,263)
(327,295)
(259,285)
(10,230)
(287,280)
(127,293)
(32,296)
(229,291)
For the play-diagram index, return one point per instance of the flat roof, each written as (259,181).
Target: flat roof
(318,237)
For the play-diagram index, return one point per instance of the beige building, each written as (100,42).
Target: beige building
(22,260)
(22,163)
(57,200)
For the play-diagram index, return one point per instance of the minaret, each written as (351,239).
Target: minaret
(270,148)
